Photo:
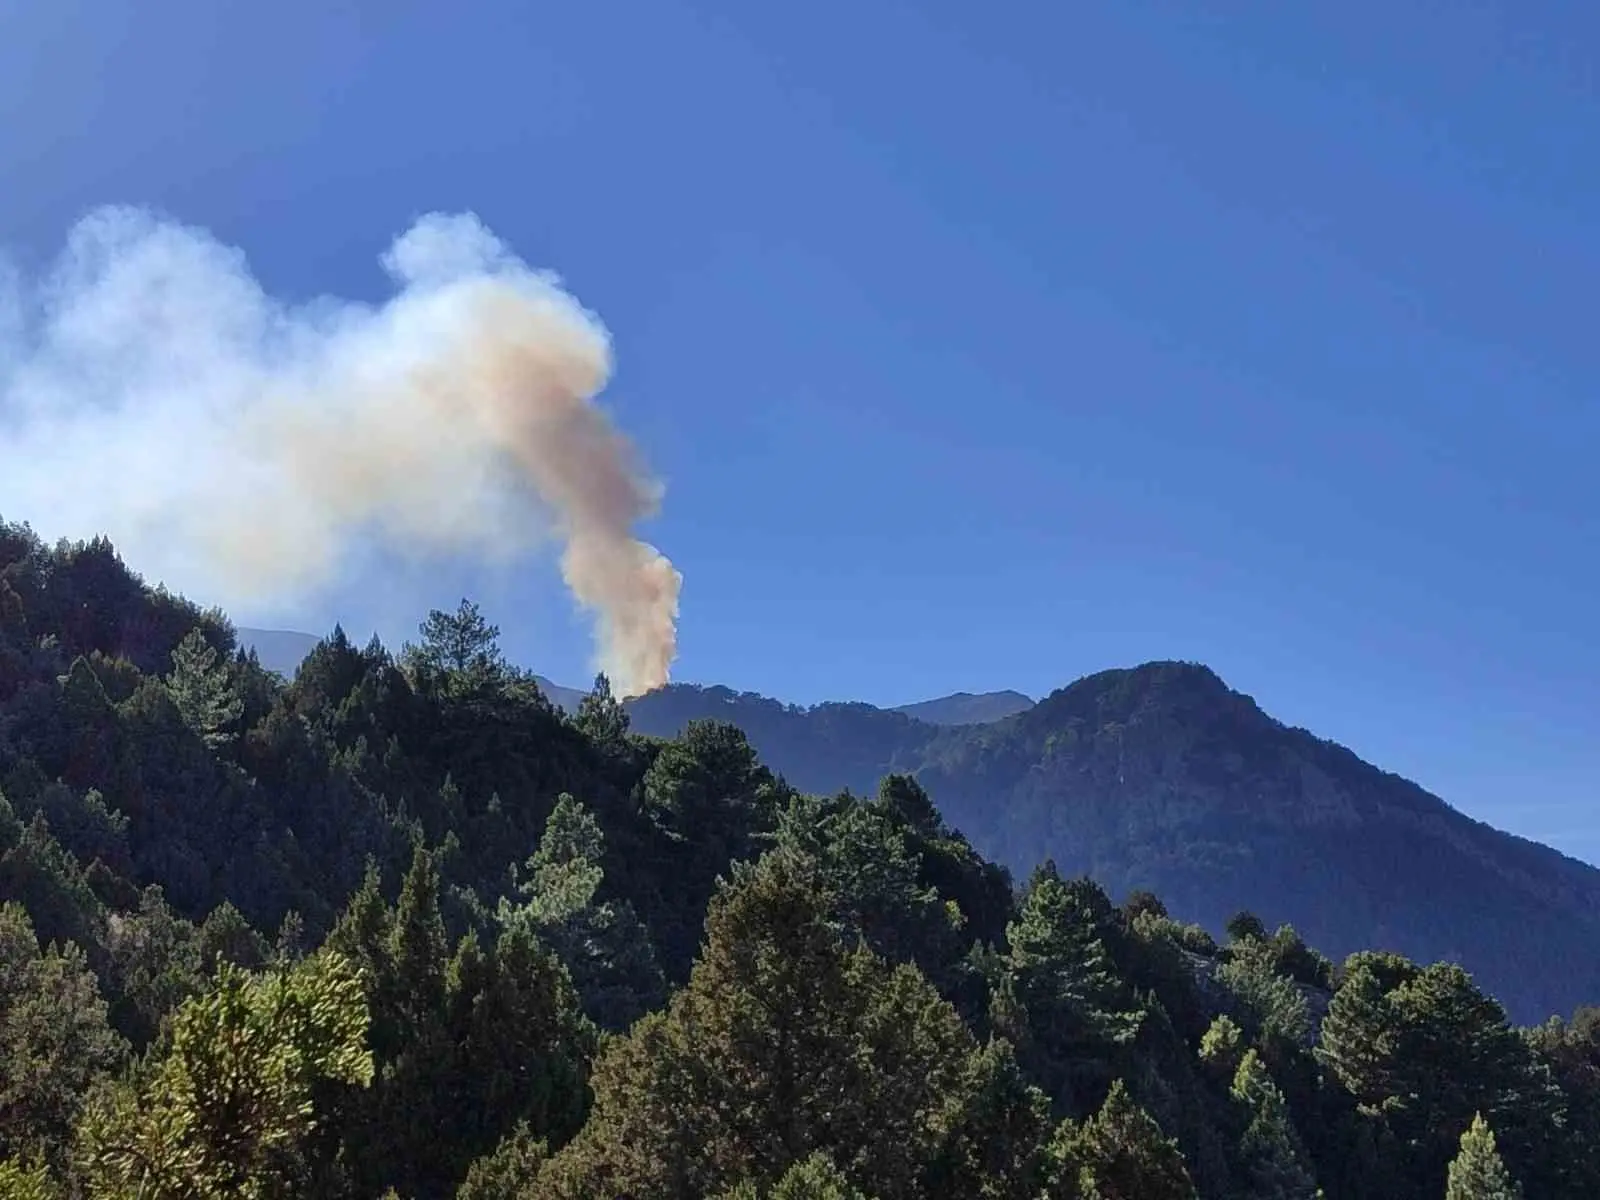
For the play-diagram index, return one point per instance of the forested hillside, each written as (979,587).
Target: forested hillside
(1162,778)
(401,928)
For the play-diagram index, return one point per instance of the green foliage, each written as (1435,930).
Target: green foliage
(467,1047)
(1059,999)
(27,1179)
(815,1178)
(872,869)
(1246,926)
(461,647)
(1120,1154)
(1000,1130)
(227,1109)
(1272,1160)
(1424,1050)
(55,1038)
(510,1171)
(603,944)
(1266,1000)
(784,1042)
(1570,1051)
(202,687)
(1476,1172)
(601,717)
(226,936)
(1222,1049)
(712,799)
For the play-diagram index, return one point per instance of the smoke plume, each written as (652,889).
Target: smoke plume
(251,452)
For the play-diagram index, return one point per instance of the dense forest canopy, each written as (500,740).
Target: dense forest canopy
(400,927)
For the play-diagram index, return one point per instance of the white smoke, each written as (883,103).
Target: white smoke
(250,452)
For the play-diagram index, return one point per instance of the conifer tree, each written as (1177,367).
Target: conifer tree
(228,1109)
(510,1171)
(872,872)
(1263,996)
(417,946)
(1477,1173)
(816,1178)
(601,716)
(603,943)
(1119,1154)
(54,1039)
(999,1147)
(28,1179)
(202,687)
(1060,1000)
(1270,1153)
(784,1042)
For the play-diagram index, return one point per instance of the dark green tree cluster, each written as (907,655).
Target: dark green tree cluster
(399,928)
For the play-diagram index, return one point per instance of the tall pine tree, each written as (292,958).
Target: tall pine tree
(1477,1173)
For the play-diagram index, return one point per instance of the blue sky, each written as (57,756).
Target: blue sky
(980,346)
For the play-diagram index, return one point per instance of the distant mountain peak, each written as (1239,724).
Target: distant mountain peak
(968,708)
(1124,693)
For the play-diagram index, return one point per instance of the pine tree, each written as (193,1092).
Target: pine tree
(510,1171)
(417,946)
(462,647)
(870,869)
(1222,1048)
(227,936)
(1427,1049)
(603,944)
(1060,1000)
(202,687)
(1270,1153)
(1477,1172)
(1001,1133)
(228,1110)
(1351,1041)
(521,1048)
(54,1038)
(28,1179)
(1265,999)
(1120,1154)
(601,716)
(785,1042)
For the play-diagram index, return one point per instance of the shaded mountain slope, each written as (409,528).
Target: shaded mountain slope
(821,749)
(1161,777)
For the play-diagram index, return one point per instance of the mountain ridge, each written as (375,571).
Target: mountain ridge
(282,650)
(1161,777)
